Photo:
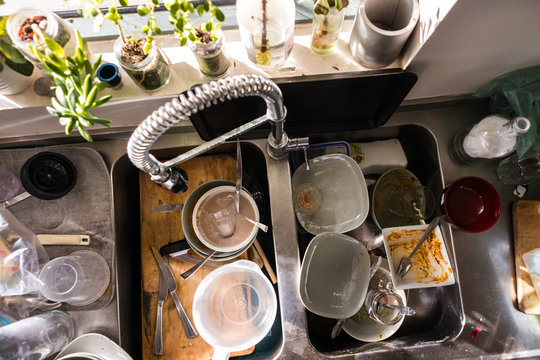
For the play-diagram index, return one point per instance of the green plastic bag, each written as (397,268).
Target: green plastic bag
(517,93)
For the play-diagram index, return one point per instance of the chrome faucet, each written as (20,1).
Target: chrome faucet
(174,179)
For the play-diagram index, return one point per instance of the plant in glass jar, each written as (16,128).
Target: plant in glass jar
(327,20)
(74,88)
(138,55)
(205,38)
(15,70)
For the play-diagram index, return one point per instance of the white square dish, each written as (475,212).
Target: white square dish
(431,265)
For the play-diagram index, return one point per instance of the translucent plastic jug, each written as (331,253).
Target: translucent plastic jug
(234,307)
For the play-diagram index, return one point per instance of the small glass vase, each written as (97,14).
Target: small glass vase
(53,27)
(266,29)
(326,30)
(212,59)
(152,73)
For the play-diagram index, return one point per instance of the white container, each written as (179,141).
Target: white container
(234,307)
(11,82)
(93,346)
(267,46)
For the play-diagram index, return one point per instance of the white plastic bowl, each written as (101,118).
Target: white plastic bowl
(345,200)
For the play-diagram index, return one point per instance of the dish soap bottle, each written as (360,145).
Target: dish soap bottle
(494,136)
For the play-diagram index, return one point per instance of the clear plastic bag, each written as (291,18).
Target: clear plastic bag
(517,93)
(20,257)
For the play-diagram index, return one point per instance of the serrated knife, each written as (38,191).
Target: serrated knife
(157,349)
(171,284)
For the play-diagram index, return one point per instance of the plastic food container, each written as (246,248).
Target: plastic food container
(335,276)
(234,307)
(430,264)
(345,202)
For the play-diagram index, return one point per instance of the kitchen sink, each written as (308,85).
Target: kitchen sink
(127,227)
(439,311)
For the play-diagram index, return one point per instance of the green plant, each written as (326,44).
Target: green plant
(322,7)
(91,9)
(151,25)
(75,91)
(179,12)
(11,56)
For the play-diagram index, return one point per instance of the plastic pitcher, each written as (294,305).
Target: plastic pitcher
(234,307)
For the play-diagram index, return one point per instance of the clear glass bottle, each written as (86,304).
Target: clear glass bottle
(53,27)
(495,136)
(36,337)
(213,61)
(512,171)
(326,30)
(151,73)
(266,29)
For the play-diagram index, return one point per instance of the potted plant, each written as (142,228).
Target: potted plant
(139,56)
(327,20)
(205,38)
(75,91)
(15,70)
(20,28)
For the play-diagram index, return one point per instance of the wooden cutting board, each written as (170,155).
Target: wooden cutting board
(159,229)
(526,217)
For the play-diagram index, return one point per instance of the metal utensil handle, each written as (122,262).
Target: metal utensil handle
(188,327)
(157,349)
(185,275)
(238,176)
(426,234)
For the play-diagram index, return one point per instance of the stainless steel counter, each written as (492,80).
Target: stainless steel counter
(485,261)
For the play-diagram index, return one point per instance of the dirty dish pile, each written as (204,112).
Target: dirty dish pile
(331,196)
(430,264)
(189,231)
(334,276)
(216,223)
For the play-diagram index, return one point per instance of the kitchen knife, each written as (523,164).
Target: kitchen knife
(171,284)
(157,349)
(238,177)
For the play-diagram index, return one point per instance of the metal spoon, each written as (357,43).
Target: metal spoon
(405,310)
(168,207)
(406,263)
(339,325)
(185,275)
(256,223)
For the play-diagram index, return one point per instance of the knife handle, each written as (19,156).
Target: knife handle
(188,327)
(157,349)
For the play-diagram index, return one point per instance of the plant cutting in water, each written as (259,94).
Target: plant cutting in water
(75,93)
(327,22)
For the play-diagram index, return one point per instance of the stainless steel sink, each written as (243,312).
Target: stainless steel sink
(296,332)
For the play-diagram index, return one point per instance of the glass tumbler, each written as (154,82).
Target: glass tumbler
(36,337)
(414,202)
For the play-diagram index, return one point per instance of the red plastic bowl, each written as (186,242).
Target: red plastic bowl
(472,204)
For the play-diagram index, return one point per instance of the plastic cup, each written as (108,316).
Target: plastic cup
(36,337)
(234,307)
(78,279)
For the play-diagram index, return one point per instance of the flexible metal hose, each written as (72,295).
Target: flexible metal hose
(190,102)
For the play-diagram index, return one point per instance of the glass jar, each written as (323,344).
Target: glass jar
(381,291)
(54,28)
(326,30)
(213,61)
(152,73)
(495,136)
(512,171)
(36,337)
(266,29)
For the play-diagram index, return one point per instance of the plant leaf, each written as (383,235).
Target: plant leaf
(183,41)
(123,2)
(84,133)
(142,10)
(102,101)
(54,46)
(94,68)
(101,86)
(219,14)
(91,97)
(200,9)
(53,111)
(64,121)
(206,5)
(70,126)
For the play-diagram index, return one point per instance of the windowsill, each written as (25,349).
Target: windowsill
(185,72)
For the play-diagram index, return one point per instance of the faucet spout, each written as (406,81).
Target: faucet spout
(201,96)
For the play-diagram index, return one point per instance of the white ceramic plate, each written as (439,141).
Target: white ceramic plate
(345,199)
(95,344)
(430,265)
(363,328)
